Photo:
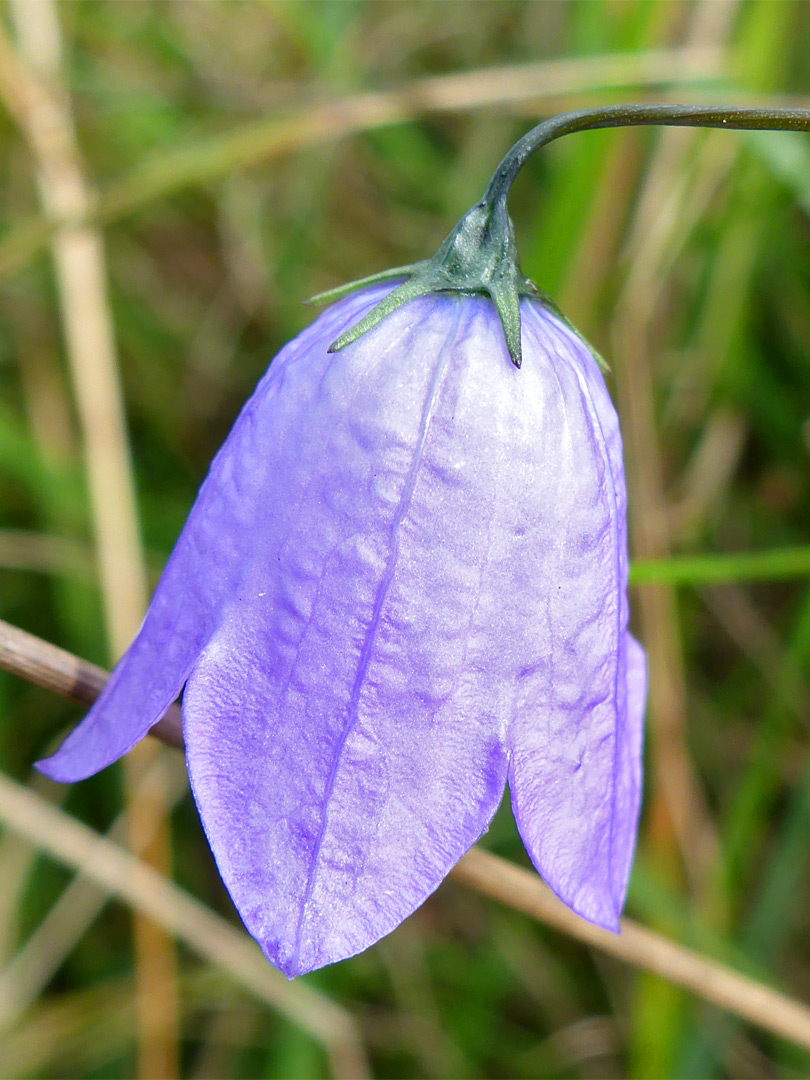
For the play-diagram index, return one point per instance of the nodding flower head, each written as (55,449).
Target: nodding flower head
(402,585)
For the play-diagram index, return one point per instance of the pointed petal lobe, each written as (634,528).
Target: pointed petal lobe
(628,769)
(574,738)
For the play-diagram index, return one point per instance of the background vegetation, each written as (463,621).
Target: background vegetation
(238,157)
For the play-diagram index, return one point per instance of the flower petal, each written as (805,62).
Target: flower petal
(332,814)
(574,740)
(204,569)
(344,725)
(628,770)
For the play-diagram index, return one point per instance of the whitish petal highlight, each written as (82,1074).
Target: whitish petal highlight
(204,570)
(574,767)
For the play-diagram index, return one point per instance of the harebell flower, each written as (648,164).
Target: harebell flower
(401,587)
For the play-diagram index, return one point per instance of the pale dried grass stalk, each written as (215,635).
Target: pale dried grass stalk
(24,978)
(176,912)
(643,948)
(523,88)
(32,88)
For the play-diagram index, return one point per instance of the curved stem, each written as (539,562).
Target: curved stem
(480,254)
(739,118)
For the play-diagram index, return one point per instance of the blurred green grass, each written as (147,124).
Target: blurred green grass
(223,208)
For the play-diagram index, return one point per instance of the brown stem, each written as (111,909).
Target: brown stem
(55,669)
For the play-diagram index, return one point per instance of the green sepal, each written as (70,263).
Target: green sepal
(478,256)
(408,290)
(328,296)
(547,302)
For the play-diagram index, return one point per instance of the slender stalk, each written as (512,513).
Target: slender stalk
(740,118)
(480,254)
(255,142)
(63,673)
(642,948)
(180,914)
(34,82)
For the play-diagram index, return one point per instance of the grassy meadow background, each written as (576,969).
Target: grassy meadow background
(235,158)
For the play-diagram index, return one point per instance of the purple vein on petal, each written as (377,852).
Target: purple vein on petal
(395,343)
(379,600)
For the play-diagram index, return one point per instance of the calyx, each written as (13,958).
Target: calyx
(480,254)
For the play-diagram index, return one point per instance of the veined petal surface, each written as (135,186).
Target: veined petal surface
(345,725)
(403,581)
(201,574)
(395,624)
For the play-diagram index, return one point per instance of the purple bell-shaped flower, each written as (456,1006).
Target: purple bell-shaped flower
(402,585)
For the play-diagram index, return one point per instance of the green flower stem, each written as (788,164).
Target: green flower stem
(741,118)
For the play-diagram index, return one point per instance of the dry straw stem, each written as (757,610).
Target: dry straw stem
(178,913)
(40,553)
(23,978)
(679,812)
(25,655)
(63,673)
(262,140)
(32,87)
(642,948)
(44,118)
